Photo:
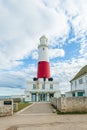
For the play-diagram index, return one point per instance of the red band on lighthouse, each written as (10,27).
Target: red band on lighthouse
(43,69)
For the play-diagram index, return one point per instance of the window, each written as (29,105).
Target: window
(80,81)
(86,79)
(51,86)
(34,86)
(75,83)
(80,94)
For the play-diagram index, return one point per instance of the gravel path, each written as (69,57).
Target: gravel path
(47,121)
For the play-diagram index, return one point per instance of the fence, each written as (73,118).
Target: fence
(70,104)
(6,107)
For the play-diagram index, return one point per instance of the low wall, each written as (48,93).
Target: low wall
(6,107)
(54,102)
(15,107)
(71,104)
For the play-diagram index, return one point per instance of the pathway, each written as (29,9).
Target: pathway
(39,108)
(40,117)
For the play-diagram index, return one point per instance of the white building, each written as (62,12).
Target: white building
(43,87)
(41,91)
(79,84)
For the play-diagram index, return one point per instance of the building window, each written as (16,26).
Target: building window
(80,81)
(80,94)
(75,83)
(51,86)
(34,86)
(86,79)
(43,86)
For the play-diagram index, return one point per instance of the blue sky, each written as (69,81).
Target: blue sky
(23,22)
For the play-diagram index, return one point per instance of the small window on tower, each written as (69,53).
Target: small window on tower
(43,49)
(51,86)
(34,86)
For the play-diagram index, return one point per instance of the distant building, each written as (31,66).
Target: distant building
(14,97)
(43,87)
(79,84)
(19,98)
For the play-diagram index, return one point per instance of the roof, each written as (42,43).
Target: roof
(80,73)
(43,37)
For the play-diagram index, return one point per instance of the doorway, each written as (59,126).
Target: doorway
(42,97)
(34,97)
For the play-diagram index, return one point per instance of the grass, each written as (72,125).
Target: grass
(22,105)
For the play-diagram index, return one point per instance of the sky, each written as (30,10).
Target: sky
(23,22)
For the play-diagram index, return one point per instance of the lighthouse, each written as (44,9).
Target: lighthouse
(43,59)
(43,87)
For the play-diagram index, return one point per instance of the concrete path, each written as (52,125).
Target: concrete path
(39,108)
(47,121)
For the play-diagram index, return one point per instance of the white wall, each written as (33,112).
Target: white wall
(68,94)
(57,94)
(27,96)
(43,53)
(29,85)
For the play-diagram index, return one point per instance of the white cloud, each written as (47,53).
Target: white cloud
(66,70)
(12,79)
(5,91)
(30,71)
(83,50)
(35,55)
(23,22)
(55,53)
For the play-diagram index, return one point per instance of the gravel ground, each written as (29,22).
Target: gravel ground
(43,121)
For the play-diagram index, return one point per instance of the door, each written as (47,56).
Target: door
(51,95)
(42,97)
(33,97)
(80,94)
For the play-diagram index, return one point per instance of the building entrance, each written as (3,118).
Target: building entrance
(34,97)
(51,95)
(42,97)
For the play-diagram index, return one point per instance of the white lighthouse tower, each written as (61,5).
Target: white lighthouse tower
(43,87)
(43,59)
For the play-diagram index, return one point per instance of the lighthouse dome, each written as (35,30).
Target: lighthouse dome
(43,40)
